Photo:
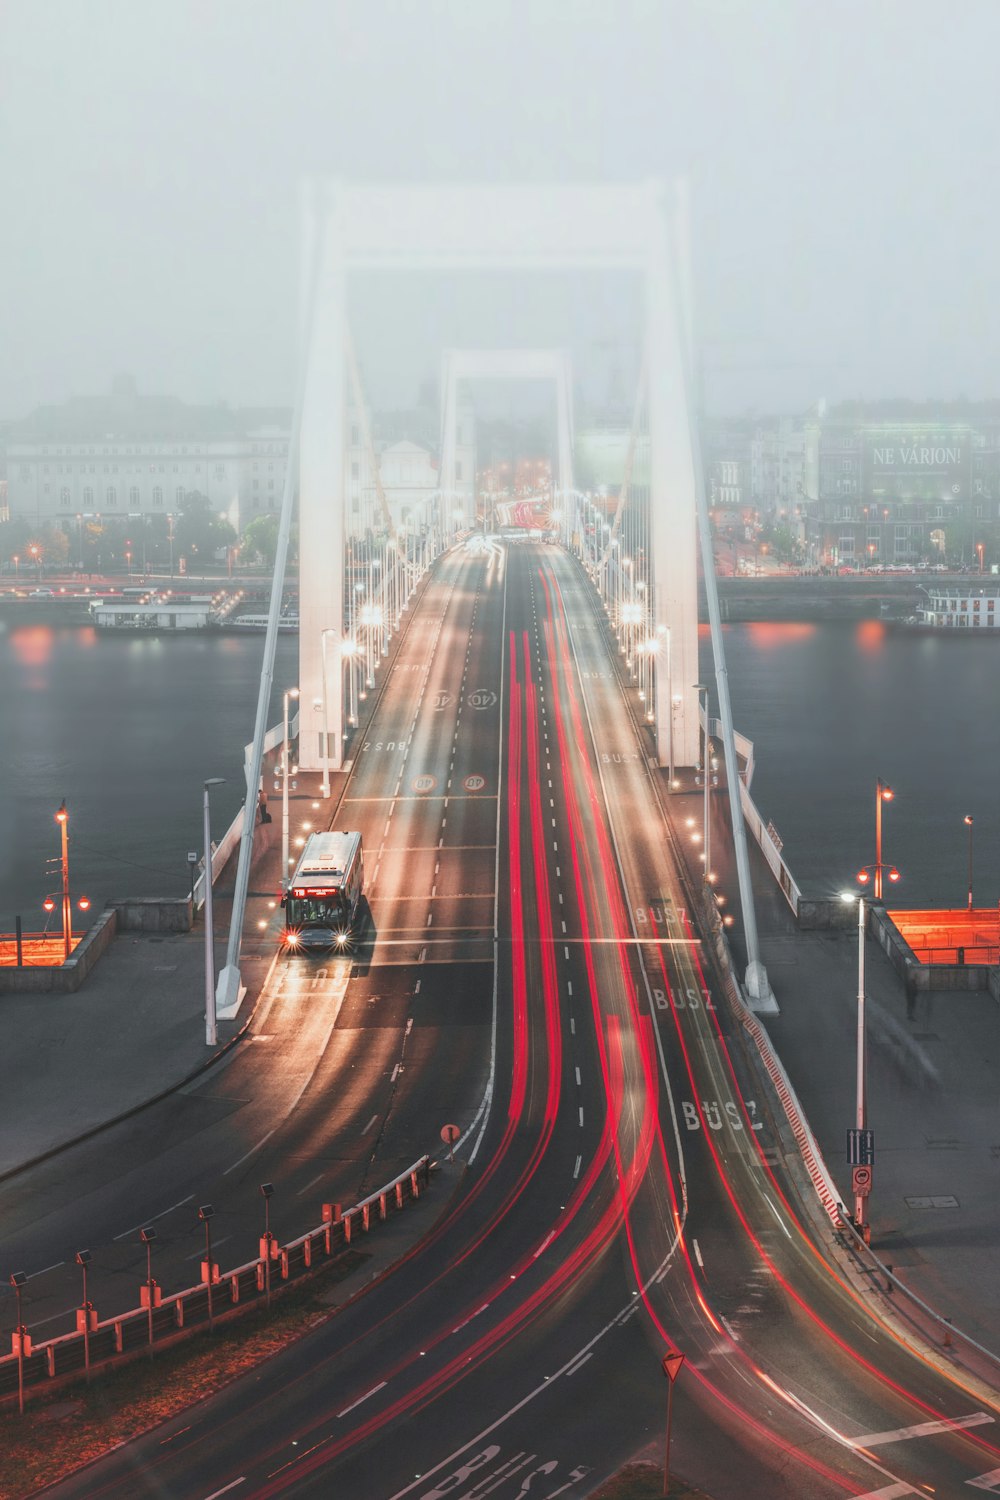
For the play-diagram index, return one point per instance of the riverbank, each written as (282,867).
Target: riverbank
(795,597)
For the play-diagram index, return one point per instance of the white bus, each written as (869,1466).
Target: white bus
(324,894)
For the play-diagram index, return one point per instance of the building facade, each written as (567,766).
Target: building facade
(129,455)
(901,486)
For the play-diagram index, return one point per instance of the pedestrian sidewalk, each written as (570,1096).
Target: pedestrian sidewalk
(932,1063)
(135,1029)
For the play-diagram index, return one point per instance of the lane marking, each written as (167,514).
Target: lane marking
(577,1166)
(311,1183)
(374,1391)
(162,1214)
(920,1429)
(371,1122)
(226,1488)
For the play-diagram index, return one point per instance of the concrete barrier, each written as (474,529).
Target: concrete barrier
(64,978)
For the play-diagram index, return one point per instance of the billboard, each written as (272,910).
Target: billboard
(916,466)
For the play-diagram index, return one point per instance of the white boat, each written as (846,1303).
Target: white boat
(957,606)
(259,622)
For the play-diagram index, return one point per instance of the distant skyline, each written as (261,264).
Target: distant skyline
(843,165)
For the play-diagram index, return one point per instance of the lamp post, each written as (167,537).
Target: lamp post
(291,693)
(968,822)
(883,793)
(861,1092)
(205,1213)
(148,1235)
(83,1261)
(35,553)
(211,1029)
(17,1281)
(62,818)
(325,788)
(706,771)
(267,1193)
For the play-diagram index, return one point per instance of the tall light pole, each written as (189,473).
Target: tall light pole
(861,1093)
(883,794)
(291,693)
(968,821)
(62,818)
(706,771)
(211,1029)
(330,630)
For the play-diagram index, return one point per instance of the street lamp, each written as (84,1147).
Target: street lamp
(267,1193)
(291,693)
(205,1214)
(21,1342)
(148,1235)
(35,553)
(62,818)
(861,1092)
(883,793)
(706,772)
(325,788)
(211,1029)
(85,1318)
(968,821)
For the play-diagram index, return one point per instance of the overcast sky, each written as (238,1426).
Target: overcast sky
(843,160)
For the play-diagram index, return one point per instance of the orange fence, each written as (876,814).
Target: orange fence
(951,937)
(39,950)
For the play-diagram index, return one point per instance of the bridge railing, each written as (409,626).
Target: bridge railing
(141,1329)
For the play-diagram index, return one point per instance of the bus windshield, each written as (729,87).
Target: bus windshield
(316,911)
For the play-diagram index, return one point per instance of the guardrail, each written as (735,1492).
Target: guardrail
(161,1320)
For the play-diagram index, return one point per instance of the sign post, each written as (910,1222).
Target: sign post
(671,1365)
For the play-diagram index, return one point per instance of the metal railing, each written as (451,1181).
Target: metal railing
(98,1343)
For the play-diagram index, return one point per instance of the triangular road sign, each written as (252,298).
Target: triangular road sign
(671,1365)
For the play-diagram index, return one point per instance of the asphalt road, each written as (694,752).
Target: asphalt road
(627,1192)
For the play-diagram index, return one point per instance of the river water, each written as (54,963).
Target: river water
(127,729)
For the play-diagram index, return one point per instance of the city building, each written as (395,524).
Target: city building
(904,483)
(127,454)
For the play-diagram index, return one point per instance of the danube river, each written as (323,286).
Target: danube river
(127,728)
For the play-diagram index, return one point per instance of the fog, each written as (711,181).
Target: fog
(843,164)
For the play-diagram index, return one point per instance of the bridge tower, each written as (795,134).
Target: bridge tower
(499,227)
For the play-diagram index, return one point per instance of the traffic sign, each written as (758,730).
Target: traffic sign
(861,1181)
(482,698)
(671,1365)
(425,783)
(861,1148)
(450,1134)
(475,783)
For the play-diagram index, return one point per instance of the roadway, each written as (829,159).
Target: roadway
(626,1193)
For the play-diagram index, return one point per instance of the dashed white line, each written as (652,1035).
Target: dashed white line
(162,1214)
(374,1391)
(577,1166)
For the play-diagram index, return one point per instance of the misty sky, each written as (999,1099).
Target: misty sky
(843,158)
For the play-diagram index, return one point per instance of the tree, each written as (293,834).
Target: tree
(200,532)
(260,540)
